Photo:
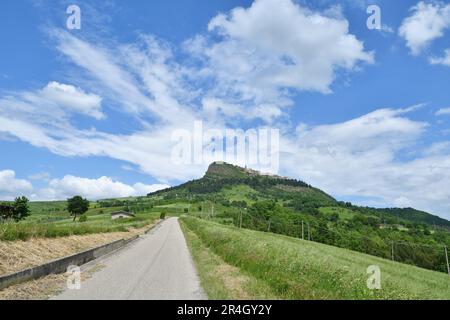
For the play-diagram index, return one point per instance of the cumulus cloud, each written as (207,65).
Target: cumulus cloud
(55,101)
(101,188)
(10,186)
(69,186)
(307,46)
(272,47)
(427,22)
(74,99)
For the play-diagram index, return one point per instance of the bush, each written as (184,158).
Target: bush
(83,218)
(162,216)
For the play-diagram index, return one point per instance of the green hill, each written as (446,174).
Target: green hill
(222,176)
(239,196)
(417,216)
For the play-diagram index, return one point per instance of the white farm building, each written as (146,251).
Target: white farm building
(122,215)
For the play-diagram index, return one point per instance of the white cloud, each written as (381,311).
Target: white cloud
(45,176)
(437,149)
(443,111)
(370,156)
(366,132)
(215,108)
(444,60)
(427,23)
(101,65)
(143,189)
(69,186)
(42,117)
(273,47)
(10,186)
(74,99)
(310,43)
(101,188)
(387,29)
(143,77)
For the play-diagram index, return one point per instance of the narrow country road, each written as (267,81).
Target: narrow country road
(157,266)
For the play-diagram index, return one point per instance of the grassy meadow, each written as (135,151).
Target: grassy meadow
(282,267)
(51,220)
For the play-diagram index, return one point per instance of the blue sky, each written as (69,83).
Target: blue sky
(363,114)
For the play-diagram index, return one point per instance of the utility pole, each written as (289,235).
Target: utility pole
(392,251)
(303,231)
(240,220)
(446,258)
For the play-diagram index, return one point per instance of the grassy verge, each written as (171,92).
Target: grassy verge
(220,280)
(97,223)
(296,269)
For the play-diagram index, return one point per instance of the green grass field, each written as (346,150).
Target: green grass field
(51,220)
(239,193)
(344,214)
(290,268)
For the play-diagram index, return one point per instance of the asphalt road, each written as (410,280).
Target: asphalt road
(158,266)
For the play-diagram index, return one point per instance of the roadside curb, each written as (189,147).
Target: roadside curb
(60,265)
(154,226)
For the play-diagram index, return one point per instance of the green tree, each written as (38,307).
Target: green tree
(6,211)
(77,206)
(21,209)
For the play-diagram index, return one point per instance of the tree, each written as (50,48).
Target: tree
(21,209)
(334,217)
(77,206)
(6,212)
